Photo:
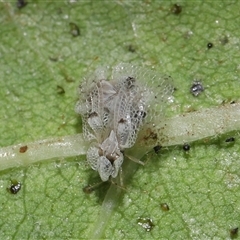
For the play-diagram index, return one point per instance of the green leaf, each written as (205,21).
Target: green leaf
(43,61)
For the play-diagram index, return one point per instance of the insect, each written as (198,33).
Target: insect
(114,103)
(196,88)
(164,207)
(15,187)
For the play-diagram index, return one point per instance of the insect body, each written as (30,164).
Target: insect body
(112,112)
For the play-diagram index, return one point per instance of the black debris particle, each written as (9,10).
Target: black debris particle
(234,232)
(15,187)
(176,9)
(196,88)
(23,149)
(157,148)
(230,139)
(146,223)
(74,29)
(209,45)
(60,90)
(232,102)
(186,147)
(131,48)
(21,3)
(164,207)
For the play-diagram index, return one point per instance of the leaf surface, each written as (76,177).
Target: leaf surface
(42,64)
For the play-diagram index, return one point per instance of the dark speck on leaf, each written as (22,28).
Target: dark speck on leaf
(59,11)
(230,139)
(209,45)
(53,59)
(74,29)
(131,48)
(60,90)
(23,149)
(21,3)
(186,147)
(15,187)
(176,9)
(196,88)
(88,189)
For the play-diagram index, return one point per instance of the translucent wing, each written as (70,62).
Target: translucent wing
(154,89)
(95,105)
(141,97)
(122,118)
(128,113)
